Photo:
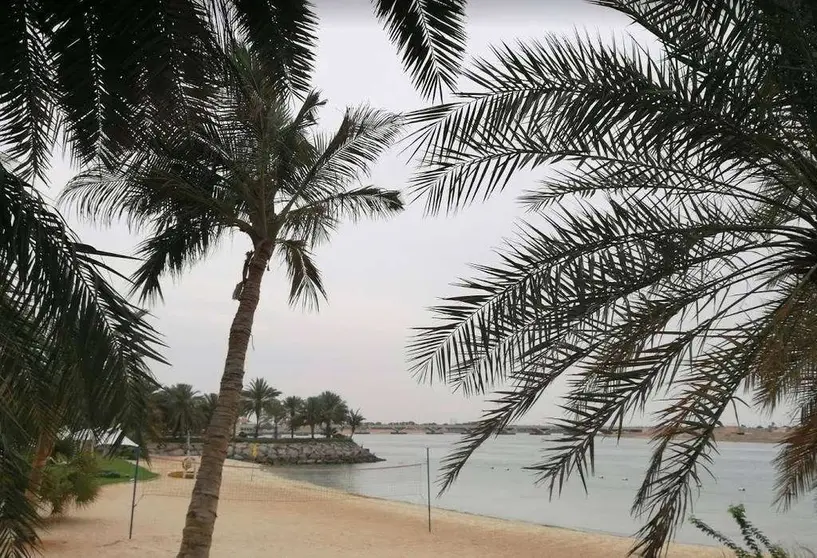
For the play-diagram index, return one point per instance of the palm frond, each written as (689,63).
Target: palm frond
(27,126)
(44,275)
(306,286)
(283,33)
(796,462)
(317,219)
(671,255)
(348,155)
(430,35)
(172,251)
(685,440)
(18,516)
(121,66)
(574,99)
(20,355)
(105,73)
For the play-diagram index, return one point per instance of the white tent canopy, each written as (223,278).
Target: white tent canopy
(107,438)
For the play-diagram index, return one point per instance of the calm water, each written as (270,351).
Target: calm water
(495,484)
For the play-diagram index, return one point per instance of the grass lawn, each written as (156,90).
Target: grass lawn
(124,468)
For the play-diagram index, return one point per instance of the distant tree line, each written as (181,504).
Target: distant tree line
(179,409)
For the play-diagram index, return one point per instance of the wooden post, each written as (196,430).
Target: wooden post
(428,486)
(133,498)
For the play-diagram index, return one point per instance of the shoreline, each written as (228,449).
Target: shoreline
(722,434)
(436,509)
(298,519)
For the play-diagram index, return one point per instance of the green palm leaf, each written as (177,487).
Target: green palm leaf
(283,33)
(430,35)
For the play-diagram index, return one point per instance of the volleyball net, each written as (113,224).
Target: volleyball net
(255,482)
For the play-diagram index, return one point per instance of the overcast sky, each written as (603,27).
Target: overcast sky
(380,276)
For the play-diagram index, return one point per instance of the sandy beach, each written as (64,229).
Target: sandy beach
(282,518)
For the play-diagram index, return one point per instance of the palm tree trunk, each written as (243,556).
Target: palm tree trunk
(201,513)
(257,425)
(232,434)
(312,430)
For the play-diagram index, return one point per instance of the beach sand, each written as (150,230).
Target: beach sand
(281,518)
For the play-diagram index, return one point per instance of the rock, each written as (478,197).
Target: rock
(282,451)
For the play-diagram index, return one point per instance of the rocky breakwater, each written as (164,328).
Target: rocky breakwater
(279,452)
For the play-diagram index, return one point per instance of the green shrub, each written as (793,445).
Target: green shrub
(70,481)
(127,452)
(64,447)
(757,543)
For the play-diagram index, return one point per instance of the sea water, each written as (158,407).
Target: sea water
(495,483)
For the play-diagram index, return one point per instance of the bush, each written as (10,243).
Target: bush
(755,540)
(72,481)
(64,447)
(127,452)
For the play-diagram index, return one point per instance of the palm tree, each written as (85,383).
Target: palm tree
(674,246)
(156,427)
(182,404)
(207,405)
(354,420)
(258,400)
(312,414)
(293,407)
(333,410)
(277,413)
(254,166)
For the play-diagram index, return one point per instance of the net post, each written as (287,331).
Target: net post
(428,485)
(133,497)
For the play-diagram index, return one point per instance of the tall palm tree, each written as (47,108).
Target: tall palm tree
(182,404)
(293,409)
(254,166)
(673,247)
(312,414)
(156,427)
(277,414)
(354,420)
(258,400)
(207,404)
(333,411)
